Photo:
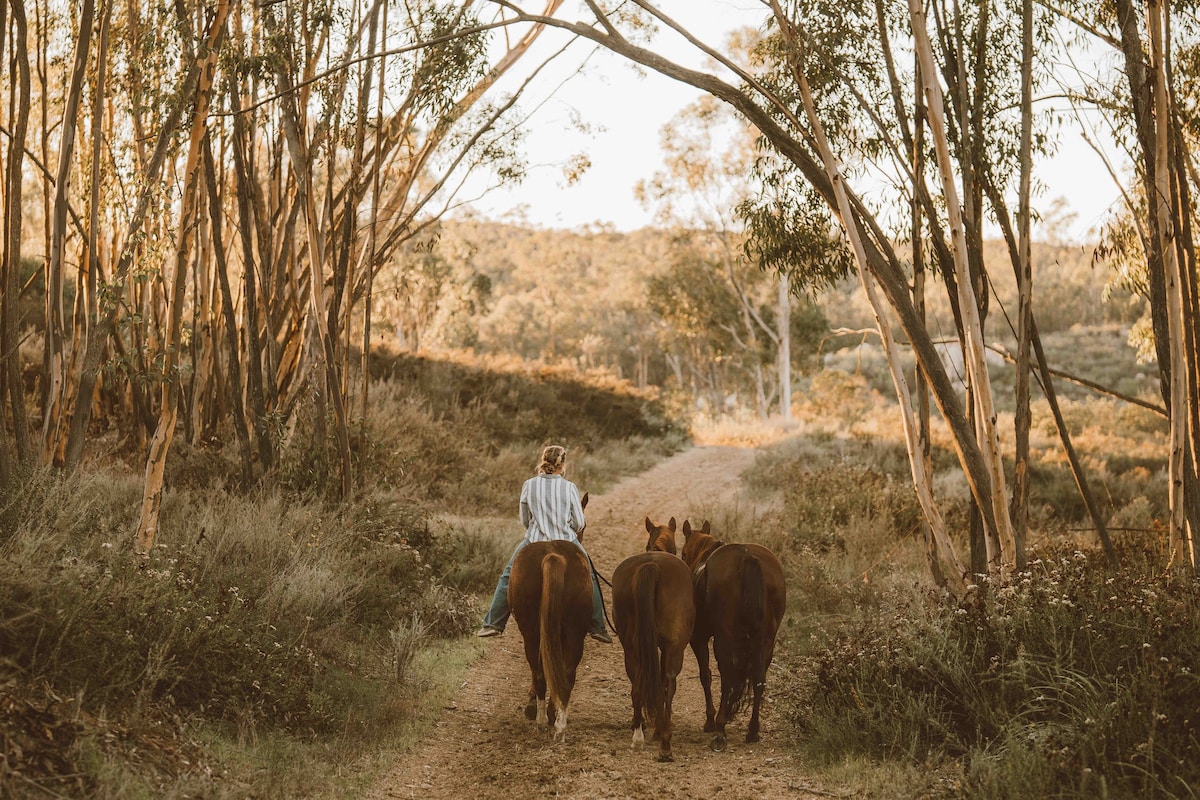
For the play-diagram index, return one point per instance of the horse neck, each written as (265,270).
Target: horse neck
(705,551)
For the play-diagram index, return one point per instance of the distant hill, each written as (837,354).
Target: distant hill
(582,297)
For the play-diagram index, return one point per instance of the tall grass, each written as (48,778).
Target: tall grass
(272,635)
(1077,679)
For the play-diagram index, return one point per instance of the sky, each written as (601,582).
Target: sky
(624,108)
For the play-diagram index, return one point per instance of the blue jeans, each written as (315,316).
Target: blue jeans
(497,615)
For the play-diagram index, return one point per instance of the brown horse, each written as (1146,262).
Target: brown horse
(740,595)
(653,613)
(550,594)
(662,537)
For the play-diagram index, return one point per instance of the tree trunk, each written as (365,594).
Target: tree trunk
(950,569)
(1019,506)
(13,217)
(147,528)
(1001,545)
(785,347)
(54,407)
(248,222)
(376,188)
(325,350)
(880,259)
(230,317)
(1165,213)
(90,372)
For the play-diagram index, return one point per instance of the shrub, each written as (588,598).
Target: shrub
(824,505)
(1073,676)
(246,608)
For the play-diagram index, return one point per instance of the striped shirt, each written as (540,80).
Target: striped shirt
(550,509)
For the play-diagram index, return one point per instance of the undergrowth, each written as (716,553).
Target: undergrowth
(1077,680)
(270,635)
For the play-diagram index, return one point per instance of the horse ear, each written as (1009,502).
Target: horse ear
(687,528)
(649,526)
(671,524)
(707,527)
(583,500)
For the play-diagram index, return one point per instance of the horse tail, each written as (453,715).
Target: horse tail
(648,673)
(749,636)
(551,620)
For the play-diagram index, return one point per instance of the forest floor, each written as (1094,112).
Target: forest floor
(483,747)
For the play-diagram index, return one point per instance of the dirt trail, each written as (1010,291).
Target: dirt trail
(483,747)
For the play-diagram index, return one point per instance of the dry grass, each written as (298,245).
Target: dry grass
(279,633)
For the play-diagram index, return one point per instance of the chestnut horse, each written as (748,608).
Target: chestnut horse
(662,537)
(550,594)
(740,596)
(653,613)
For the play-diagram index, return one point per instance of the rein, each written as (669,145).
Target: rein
(603,607)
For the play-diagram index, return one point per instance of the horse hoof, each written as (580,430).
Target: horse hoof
(751,738)
(531,712)
(710,727)
(666,758)
(717,745)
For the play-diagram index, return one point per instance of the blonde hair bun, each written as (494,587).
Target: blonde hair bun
(553,458)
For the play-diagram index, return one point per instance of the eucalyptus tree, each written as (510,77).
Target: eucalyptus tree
(251,169)
(708,178)
(19,83)
(1151,112)
(830,95)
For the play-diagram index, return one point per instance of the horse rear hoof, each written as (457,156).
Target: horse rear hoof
(531,712)
(710,727)
(666,758)
(751,738)
(717,745)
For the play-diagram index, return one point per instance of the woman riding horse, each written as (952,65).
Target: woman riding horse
(550,510)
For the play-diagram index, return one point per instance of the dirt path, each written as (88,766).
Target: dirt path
(483,747)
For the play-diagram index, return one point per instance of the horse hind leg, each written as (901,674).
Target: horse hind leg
(541,713)
(702,661)
(664,728)
(531,706)
(719,742)
(752,730)
(672,662)
(560,724)
(639,723)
